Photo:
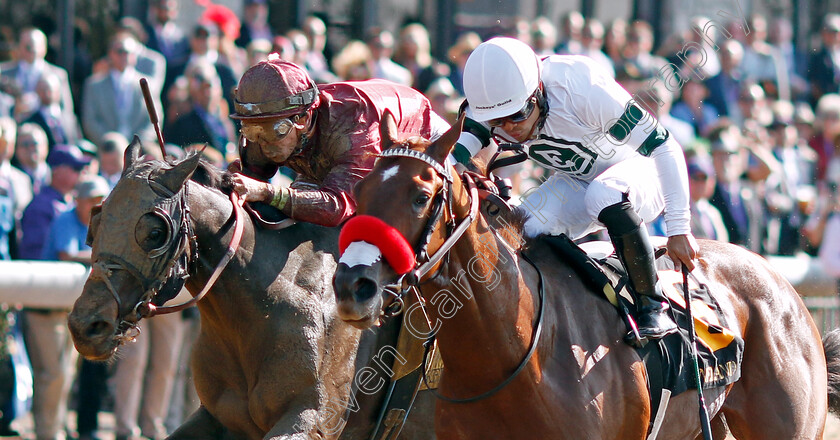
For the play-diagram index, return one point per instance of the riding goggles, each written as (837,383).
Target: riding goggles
(517,117)
(281,128)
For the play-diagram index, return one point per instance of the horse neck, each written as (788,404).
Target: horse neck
(210,212)
(478,302)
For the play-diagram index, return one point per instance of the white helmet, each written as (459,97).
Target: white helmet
(500,76)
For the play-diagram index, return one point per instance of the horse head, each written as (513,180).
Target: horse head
(405,208)
(149,203)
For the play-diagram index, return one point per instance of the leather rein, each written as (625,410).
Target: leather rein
(172,259)
(412,279)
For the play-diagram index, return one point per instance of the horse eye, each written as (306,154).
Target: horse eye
(421,200)
(150,232)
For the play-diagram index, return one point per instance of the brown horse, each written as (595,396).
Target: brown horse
(583,381)
(271,360)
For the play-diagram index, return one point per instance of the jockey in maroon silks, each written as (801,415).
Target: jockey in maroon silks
(327,134)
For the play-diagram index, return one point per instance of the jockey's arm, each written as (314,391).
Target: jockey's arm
(327,203)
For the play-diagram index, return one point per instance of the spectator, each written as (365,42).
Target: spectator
(734,200)
(638,61)
(67,242)
(763,63)
(827,126)
(254,23)
(823,65)
(571,29)
(204,47)
(414,53)
(458,54)
(793,60)
(207,121)
(284,47)
(257,51)
(543,39)
(381,45)
(150,63)
(803,118)
(29,67)
(66,164)
(16,182)
(165,35)
(113,101)
(110,156)
(693,108)
(31,155)
(725,86)
(615,40)
(316,34)
(228,26)
(353,62)
(790,185)
(592,39)
(706,221)
(829,250)
(45,331)
(144,378)
(59,126)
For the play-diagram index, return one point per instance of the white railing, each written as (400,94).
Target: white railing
(45,284)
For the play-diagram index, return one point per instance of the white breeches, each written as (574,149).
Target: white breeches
(563,204)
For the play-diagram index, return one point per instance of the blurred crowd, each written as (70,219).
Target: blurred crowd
(758,117)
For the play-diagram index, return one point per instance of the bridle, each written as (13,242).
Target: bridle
(425,262)
(169,263)
(411,280)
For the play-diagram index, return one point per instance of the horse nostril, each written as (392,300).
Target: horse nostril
(98,329)
(364,289)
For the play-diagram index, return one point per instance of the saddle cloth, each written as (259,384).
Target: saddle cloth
(667,360)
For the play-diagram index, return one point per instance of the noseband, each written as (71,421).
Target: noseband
(169,264)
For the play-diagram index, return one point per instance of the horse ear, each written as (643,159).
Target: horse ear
(388,130)
(443,146)
(132,154)
(173,179)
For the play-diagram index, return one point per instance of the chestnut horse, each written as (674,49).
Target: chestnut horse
(582,381)
(271,359)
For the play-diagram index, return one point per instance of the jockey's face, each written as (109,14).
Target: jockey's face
(276,138)
(520,131)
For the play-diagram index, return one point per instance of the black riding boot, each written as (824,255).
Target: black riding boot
(633,248)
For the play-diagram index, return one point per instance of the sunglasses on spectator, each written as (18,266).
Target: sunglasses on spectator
(700,177)
(517,117)
(280,128)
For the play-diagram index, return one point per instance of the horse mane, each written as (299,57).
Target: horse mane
(209,175)
(512,228)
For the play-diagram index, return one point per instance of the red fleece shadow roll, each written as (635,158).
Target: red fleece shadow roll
(390,241)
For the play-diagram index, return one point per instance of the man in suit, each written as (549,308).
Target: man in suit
(824,65)
(59,126)
(725,86)
(165,35)
(204,123)
(29,66)
(113,101)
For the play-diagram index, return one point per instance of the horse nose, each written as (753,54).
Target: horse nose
(364,289)
(98,329)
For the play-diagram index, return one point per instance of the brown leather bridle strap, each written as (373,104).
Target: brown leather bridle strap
(238,226)
(457,233)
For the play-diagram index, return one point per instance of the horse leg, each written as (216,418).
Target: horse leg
(200,425)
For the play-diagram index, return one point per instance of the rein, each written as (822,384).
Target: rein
(413,278)
(104,266)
